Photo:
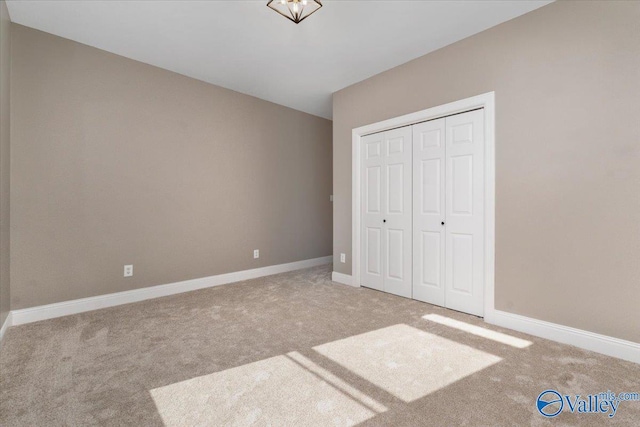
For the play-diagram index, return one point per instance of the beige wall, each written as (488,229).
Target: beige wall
(567,84)
(116,162)
(5,66)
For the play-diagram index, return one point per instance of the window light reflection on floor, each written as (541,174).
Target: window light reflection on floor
(407,362)
(479,331)
(283,390)
(336,382)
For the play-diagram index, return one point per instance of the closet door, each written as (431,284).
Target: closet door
(386,212)
(464,229)
(373,200)
(429,211)
(396,222)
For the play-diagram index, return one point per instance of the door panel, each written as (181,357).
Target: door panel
(373,189)
(373,202)
(462,263)
(397,246)
(428,211)
(395,143)
(395,184)
(464,183)
(431,261)
(373,148)
(430,179)
(395,254)
(373,244)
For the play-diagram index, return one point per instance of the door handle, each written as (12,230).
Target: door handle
(442,223)
(384,220)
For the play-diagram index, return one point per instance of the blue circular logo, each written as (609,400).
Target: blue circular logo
(550,403)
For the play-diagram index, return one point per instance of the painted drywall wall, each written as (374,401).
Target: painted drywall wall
(116,162)
(567,85)
(5,68)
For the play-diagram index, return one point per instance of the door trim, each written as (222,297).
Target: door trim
(486,101)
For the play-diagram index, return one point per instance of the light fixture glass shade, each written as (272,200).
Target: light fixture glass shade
(295,10)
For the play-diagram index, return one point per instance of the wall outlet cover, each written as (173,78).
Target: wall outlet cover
(128,270)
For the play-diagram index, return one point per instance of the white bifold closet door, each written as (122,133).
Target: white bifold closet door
(448,213)
(386,212)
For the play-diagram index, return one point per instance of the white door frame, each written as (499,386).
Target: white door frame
(486,101)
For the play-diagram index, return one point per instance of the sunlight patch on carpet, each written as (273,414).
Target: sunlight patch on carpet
(282,390)
(479,331)
(407,362)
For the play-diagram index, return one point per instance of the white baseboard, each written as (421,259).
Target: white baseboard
(607,345)
(50,311)
(345,279)
(7,323)
(604,344)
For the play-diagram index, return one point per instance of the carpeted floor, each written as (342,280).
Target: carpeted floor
(293,349)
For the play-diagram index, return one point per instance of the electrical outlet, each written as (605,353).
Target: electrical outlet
(128,270)
(343,258)
(256,253)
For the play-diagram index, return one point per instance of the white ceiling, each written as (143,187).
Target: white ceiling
(245,46)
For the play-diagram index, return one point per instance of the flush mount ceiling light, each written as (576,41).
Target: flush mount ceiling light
(295,10)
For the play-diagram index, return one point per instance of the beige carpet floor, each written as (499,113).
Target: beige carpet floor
(293,349)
